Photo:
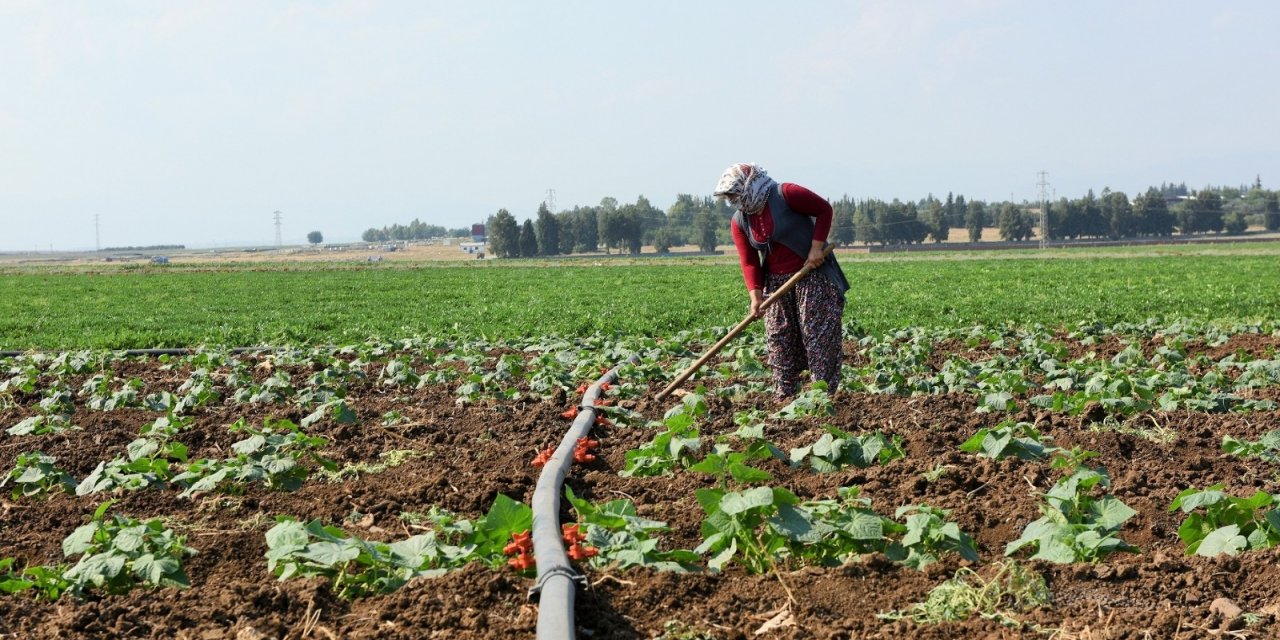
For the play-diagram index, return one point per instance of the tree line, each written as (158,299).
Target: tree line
(704,221)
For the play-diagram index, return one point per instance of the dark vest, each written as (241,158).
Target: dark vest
(793,231)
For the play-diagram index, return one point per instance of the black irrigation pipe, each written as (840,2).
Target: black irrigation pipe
(557,579)
(140,352)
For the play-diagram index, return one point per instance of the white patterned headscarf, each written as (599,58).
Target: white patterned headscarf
(749,182)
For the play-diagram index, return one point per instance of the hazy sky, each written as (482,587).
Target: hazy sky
(191,122)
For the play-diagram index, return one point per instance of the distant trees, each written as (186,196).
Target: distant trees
(704,221)
(504,235)
(315,237)
(843,227)
(547,230)
(975,219)
(1271,213)
(415,230)
(1013,223)
(528,240)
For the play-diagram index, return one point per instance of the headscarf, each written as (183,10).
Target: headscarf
(750,183)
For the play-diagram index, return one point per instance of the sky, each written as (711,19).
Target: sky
(141,123)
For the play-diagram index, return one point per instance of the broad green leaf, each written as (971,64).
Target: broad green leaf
(130,538)
(798,525)
(1113,512)
(748,475)
(1054,550)
(736,502)
(330,554)
(289,534)
(1223,540)
(864,526)
(80,540)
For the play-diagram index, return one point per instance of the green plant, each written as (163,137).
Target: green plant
(623,539)
(152,459)
(837,449)
(273,455)
(1013,590)
(936,473)
(1229,524)
(724,462)
(673,447)
(928,535)
(39,425)
(814,401)
(764,526)
(119,552)
(1075,526)
(1009,438)
(354,566)
(34,474)
(47,582)
(1266,448)
(386,460)
(357,567)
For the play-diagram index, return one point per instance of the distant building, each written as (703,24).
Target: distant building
(472,247)
(478,233)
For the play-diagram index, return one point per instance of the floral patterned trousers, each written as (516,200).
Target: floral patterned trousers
(803,329)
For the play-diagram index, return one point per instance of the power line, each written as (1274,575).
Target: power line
(1043,184)
(279,241)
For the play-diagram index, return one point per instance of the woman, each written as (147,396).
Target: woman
(778,230)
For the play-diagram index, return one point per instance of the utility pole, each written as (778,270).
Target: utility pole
(1043,185)
(97,235)
(278,240)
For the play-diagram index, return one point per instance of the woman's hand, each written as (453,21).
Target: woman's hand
(757,299)
(817,253)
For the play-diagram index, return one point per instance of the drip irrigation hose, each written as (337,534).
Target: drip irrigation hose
(557,578)
(140,352)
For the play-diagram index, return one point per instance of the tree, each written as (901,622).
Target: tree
(939,224)
(842,226)
(706,225)
(528,240)
(1118,213)
(568,233)
(1271,212)
(1151,214)
(504,235)
(662,240)
(1208,210)
(1235,223)
(1013,223)
(975,219)
(315,237)
(865,223)
(547,231)
(588,230)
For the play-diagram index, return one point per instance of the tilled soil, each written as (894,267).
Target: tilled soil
(470,454)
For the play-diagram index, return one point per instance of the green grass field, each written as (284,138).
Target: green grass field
(265,304)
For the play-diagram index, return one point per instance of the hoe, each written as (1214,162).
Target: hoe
(733,333)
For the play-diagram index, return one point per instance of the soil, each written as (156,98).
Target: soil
(470,454)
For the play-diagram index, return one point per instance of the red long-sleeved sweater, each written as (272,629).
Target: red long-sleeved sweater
(781,259)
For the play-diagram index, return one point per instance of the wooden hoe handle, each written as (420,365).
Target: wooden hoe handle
(733,333)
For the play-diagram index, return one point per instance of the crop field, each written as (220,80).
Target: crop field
(1081,447)
(308,304)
